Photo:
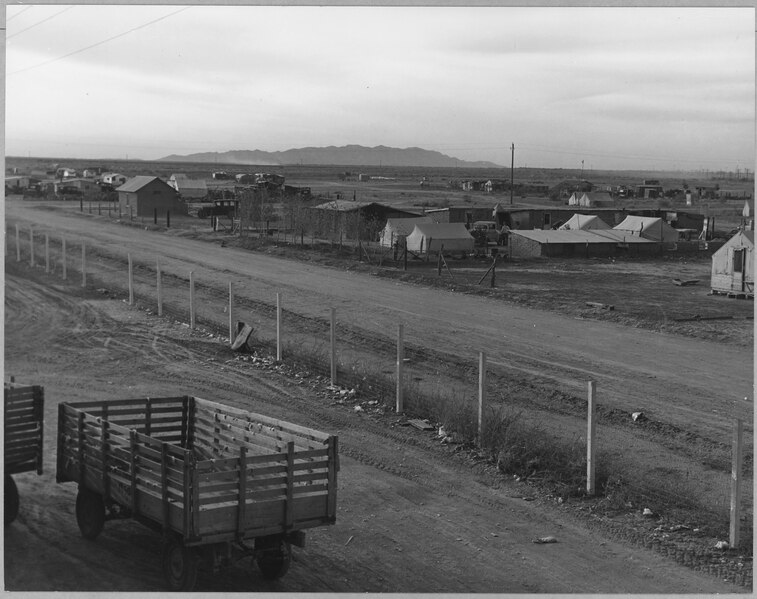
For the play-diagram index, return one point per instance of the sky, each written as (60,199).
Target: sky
(601,87)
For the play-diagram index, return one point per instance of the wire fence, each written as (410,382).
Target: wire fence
(436,386)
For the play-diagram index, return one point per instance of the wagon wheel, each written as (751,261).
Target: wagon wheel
(180,564)
(90,513)
(275,557)
(11,499)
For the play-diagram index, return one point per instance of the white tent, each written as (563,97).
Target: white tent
(584,222)
(432,236)
(397,228)
(651,227)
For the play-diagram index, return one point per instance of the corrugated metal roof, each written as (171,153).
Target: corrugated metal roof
(343,205)
(138,182)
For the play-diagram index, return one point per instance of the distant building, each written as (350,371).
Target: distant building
(144,195)
(113,179)
(78,186)
(189,189)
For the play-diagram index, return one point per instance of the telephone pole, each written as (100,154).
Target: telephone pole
(512,172)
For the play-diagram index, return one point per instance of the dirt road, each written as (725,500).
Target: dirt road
(690,383)
(412,517)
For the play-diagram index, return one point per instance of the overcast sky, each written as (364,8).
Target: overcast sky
(621,88)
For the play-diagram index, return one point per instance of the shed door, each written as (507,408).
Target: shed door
(739,258)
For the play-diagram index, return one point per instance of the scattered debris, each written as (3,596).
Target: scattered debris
(685,283)
(543,540)
(600,305)
(358,408)
(423,425)
(678,527)
(647,512)
(638,416)
(723,545)
(350,539)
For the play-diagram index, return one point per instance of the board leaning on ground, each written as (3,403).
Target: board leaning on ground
(209,477)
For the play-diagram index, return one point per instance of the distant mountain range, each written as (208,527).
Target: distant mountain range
(352,155)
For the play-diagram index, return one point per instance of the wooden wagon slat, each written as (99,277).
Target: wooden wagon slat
(216,442)
(251,426)
(223,444)
(284,426)
(213,433)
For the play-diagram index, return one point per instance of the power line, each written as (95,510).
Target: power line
(20,12)
(39,22)
(143,25)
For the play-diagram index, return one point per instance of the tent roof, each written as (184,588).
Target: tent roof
(577,236)
(443,230)
(649,225)
(405,226)
(584,221)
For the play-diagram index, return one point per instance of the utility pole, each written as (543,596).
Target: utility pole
(512,172)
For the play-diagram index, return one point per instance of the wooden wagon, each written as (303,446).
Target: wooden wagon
(218,482)
(23,434)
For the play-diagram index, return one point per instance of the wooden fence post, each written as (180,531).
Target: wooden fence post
(47,252)
(400,362)
(64,261)
(481,396)
(159,287)
(18,244)
(83,264)
(278,327)
(131,280)
(191,299)
(736,476)
(333,347)
(31,246)
(590,438)
(231,311)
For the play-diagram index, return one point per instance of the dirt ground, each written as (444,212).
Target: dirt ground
(413,516)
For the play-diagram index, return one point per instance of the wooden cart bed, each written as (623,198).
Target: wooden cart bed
(23,428)
(210,472)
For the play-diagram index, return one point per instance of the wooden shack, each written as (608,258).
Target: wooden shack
(733,266)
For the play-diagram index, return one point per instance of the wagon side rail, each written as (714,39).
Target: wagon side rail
(257,495)
(151,478)
(256,475)
(23,428)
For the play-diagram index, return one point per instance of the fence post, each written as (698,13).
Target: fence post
(590,437)
(131,281)
(31,246)
(63,258)
(160,287)
(333,347)
(481,396)
(47,253)
(736,476)
(278,327)
(18,244)
(83,264)
(191,299)
(231,311)
(400,360)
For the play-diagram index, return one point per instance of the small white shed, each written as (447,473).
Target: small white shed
(733,266)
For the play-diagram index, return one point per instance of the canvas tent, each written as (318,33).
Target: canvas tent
(584,222)
(430,237)
(733,265)
(650,227)
(399,228)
